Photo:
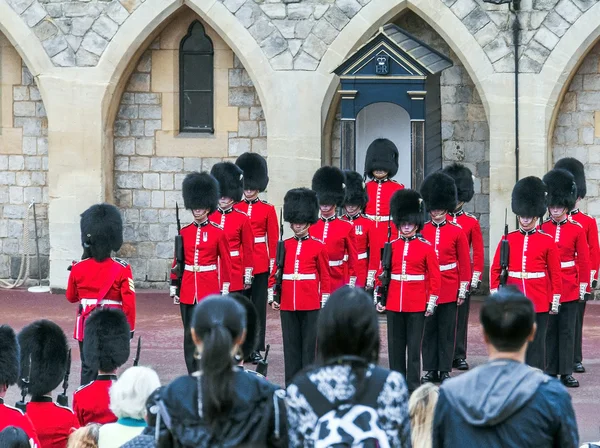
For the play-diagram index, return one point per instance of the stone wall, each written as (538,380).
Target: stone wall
(151,159)
(23,164)
(577,128)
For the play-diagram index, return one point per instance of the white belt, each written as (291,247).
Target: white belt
(299,277)
(93,302)
(447,267)
(567,264)
(362,256)
(260,239)
(234,253)
(336,262)
(379,218)
(407,277)
(196,268)
(526,275)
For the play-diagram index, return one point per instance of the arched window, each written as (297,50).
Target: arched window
(196,81)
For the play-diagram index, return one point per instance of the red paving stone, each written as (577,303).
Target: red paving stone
(159,324)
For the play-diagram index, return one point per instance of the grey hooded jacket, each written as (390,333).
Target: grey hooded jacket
(504,403)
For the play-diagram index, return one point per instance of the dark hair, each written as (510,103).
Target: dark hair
(507,318)
(218,322)
(13,437)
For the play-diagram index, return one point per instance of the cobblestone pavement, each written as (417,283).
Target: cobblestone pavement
(159,325)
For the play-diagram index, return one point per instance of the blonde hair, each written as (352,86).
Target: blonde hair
(421,407)
(129,393)
(85,437)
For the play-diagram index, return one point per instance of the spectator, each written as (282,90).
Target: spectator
(346,382)
(128,402)
(13,437)
(147,439)
(505,403)
(421,407)
(221,405)
(85,437)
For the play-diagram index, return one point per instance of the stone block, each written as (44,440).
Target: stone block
(261,29)
(139,82)
(15,267)
(320,11)
(192,164)
(127,112)
(149,216)
(3,163)
(141,198)
(147,99)
(476,20)
(286,27)
(21,93)
(7,178)
(496,49)
(139,163)
(145,63)
(257,113)
(336,17)
(584,5)
(124,146)
(462,8)
(171,197)
(123,198)
(169,164)
(32,127)
(586,136)
(23,179)
(65,58)
(568,11)
(151,181)
(262,128)
(241,97)
(105,27)
(30,146)
(259,146)
(238,146)
(166,180)
(24,109)
(15,195)
(243,114)
(54,10)
(294,46)
(15,211)
(34,14)
(81,25)
(349,7)
(591,82)
(45,30)
(122,128)
(158,270)
(547,38)
(38,178)
(233,5)
(164,250)
(452,76)
(158,199)
(19,6)
(486,34)
(121,163)
(589,101)
(144,146)
(247,129)
(315,47)
(74,42)
(128,98)
(151,126)
(81,9)
(40,110)
(273,45)
(274,10)
(305,62)
(55,45)
(581,119)
(129,180)
(26,77)
(16,163)
(33,163)
(94,43)
(137,128)
(303,28)
(207,164)
(299,11)
(556,23)
(150,112)
(117,12)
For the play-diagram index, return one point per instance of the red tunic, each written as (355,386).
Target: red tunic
(305,274)
(415,275)
(10,416)
(91,401)
(452,250)
(367,257)
(533,267)
(338,236)
(472,229)
(570,238)
(380,194)
(266,232)
(590,226)
(239,234)
(203,245)
(52,422)
(88,278)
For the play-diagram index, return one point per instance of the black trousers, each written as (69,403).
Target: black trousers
(87,373)
(299,330)
(438,338)
(405,334)
(536,352)
(560,340)
(258,295)
(578,356)
(189,348)
(462,329)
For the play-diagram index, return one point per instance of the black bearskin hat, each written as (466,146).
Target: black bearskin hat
(300,205)
(439,192)
(45,344)
(463,178)
(256,173)
(230,178)
(407,206)
(575,167)
(356,194)
(200,191)
(382,154)
(101,230)
(252,324)
(106,341)
(562,190)
(9,356)
(328,183)
(529,197)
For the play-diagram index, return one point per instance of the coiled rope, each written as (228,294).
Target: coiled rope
(25,257)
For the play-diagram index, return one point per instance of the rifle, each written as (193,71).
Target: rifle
(279,262)
(63,399)
(179,267)
(22,405)
(263,364)
(136,360)
(504,253)
(386,264)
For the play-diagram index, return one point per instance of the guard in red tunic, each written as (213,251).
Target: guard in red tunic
(263,219)
(414,287)
(44,353)
(381,164)
(236,225)
(575,269)
(336,233)
(106,347)
(465,188)
(204,247)
(452,250)
(575,167)
(305,283)
(99,280)
(9,374)
(533,263)
(364,231)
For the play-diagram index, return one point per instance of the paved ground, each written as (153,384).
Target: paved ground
(160,327)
